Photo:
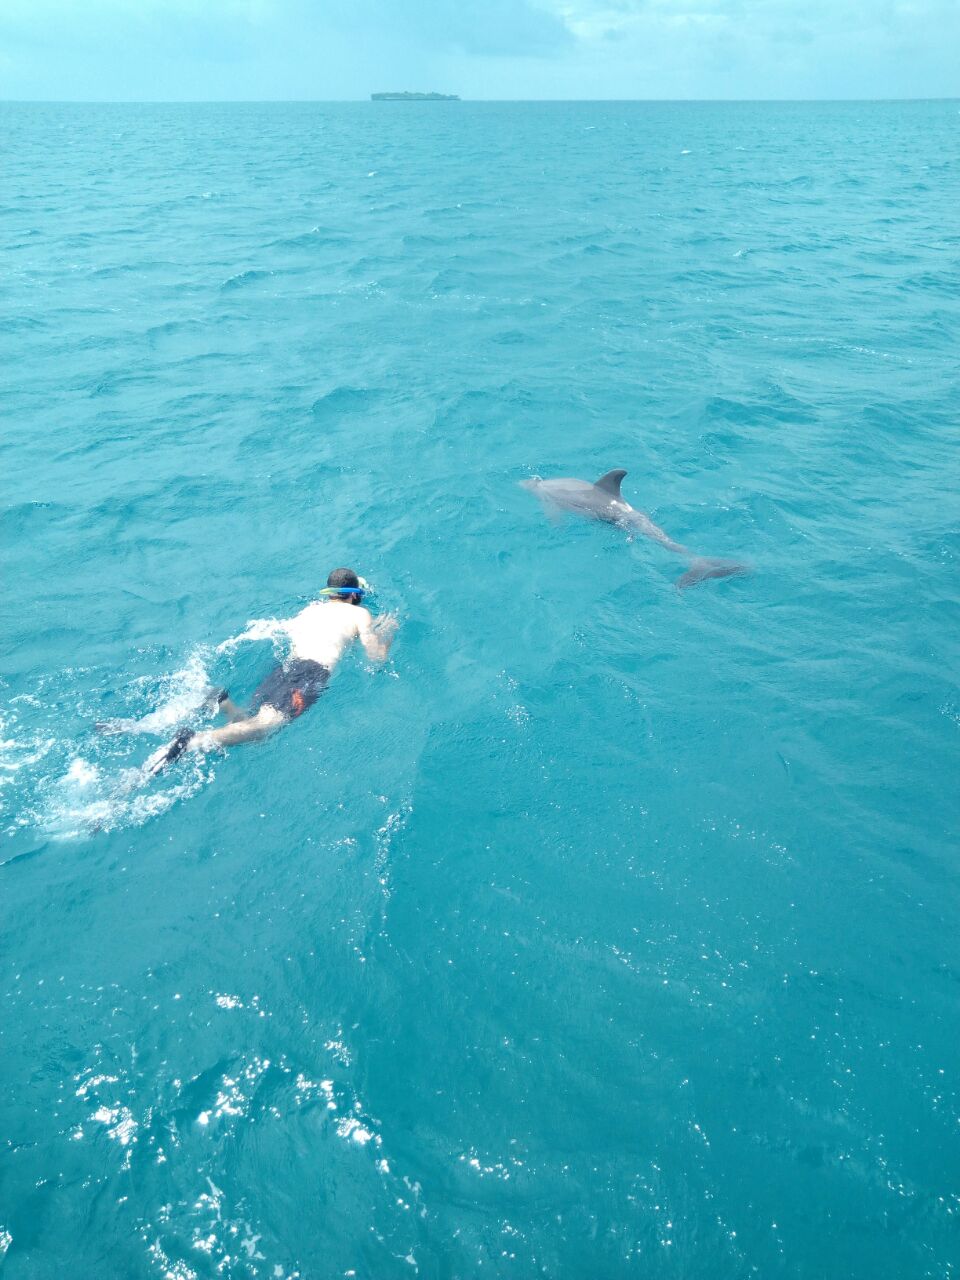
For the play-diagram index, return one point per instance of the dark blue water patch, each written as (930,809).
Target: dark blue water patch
(459,282)
(437,241)
(946,282)
(510,337)
(114,381)
(158,334)
(242,279)
(317,238)
(347,401)
(24,518)
(16,324)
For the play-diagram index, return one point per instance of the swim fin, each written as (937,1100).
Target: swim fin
(112,726)
(214,698)
(166,755)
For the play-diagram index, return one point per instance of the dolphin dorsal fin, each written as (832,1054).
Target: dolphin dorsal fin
(610,483)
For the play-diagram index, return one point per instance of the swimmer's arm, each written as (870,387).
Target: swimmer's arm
(377,636)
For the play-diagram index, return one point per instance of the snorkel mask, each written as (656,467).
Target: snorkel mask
(340,593)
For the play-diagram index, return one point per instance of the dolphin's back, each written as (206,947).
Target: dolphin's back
(580,495)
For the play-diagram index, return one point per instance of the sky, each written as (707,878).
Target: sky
(160,50)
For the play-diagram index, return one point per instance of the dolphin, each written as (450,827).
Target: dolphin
(603,501)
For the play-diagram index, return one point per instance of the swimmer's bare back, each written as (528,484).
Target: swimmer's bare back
(323,631)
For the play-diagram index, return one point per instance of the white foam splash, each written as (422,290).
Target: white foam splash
(72,795)
(256,629)
(87,800)
(81,773)
(16,752)
(182,695)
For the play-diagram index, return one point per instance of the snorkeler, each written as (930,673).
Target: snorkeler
(318,637)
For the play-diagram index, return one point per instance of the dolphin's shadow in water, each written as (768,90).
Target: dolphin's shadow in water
(604,501)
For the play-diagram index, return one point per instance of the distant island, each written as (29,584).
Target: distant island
(414,97)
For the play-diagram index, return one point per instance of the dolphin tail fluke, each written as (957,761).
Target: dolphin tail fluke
(701,569)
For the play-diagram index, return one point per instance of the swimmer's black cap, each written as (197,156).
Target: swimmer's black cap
(343,578)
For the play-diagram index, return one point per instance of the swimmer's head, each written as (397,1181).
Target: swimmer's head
(343,584)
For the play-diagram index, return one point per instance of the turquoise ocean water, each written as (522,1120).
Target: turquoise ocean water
(609,930)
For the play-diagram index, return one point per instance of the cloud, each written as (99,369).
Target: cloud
(480,27)
(222,28)
(160,49)
(765,48)
(802,20)
(483,48)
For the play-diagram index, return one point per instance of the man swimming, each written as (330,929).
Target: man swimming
(318,637)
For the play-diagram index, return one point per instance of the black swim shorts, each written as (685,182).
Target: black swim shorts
(292,688)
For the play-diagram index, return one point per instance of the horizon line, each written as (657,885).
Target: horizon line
(224,102)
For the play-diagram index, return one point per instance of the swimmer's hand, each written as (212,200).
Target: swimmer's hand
(385,625)
(377,636)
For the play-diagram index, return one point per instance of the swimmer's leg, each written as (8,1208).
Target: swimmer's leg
(231,710)
(215,699)
(247,729)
